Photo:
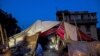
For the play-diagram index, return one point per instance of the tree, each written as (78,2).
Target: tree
(9,24)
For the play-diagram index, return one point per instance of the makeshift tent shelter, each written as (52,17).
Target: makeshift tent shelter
(44,26)
(29,33)
(64,30)
(38,26)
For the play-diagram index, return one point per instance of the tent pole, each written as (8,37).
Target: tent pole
(63,23)
(63,17)
(2,37)
(77,29)
(64,27)
(6,38)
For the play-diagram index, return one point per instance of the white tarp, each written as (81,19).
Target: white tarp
(70,31)
(16,38)
(41,26)
(38,26)
(28,32)
(48,25)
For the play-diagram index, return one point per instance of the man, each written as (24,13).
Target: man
(39,50)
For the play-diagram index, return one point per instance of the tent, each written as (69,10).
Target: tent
(31,34)
(38,26)
(65,31)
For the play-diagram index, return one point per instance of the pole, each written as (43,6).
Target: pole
(6,37)
(63,17)
(2,37)
(5,34)
(64,27)
(77,29)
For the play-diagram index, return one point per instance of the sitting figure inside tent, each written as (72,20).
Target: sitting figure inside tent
(50,45)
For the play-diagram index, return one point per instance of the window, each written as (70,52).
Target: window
(87,28)
(93,16)
(67,18)
(86,16)
(75,17)
(72,17)
(78,16)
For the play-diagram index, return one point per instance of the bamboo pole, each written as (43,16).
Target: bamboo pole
(2,37)
(77,29)
(6,38)
(63,23)
(65,35)
(5,34)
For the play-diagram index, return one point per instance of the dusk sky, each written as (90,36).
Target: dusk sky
(28,11)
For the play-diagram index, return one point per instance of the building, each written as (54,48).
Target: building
(98,32)
(85,20)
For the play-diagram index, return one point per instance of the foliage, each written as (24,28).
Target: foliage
(9,23)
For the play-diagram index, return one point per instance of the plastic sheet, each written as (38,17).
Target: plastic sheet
(94,48)
(81,48)
(78,49)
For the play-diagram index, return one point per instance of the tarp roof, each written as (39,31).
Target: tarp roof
(70,31)
(38,26)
